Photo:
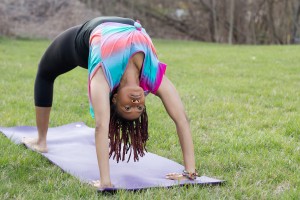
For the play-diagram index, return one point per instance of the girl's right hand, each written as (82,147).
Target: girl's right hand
(175,176)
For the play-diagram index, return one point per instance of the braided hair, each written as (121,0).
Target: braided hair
(127,135)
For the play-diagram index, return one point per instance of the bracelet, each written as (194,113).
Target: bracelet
(190,175)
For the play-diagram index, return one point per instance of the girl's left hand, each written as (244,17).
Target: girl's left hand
(175,176)
(96,184)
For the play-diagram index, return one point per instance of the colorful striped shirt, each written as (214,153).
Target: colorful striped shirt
(113,44)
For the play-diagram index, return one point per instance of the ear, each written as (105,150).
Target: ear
(114,98)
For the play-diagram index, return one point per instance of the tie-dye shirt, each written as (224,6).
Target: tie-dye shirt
(113,44)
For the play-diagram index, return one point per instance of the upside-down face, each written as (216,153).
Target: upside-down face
(130,102)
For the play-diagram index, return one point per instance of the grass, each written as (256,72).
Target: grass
(243,105)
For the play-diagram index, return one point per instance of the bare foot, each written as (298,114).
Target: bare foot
(33,144)
(175,176)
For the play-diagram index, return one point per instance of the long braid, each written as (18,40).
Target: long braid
(133,134)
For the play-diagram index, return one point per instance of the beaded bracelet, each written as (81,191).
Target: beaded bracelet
(190,175)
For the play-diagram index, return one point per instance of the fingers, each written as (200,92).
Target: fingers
(96,184)
(175,176)
(29,141)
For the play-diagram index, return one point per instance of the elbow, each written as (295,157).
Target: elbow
(182,121)
(101,129)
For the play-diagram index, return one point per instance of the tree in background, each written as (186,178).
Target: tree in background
(232,21)
(41,19)
(223,21)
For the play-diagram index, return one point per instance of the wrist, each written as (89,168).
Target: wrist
(192,175)
(106,185)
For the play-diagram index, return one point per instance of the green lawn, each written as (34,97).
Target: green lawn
(243,103)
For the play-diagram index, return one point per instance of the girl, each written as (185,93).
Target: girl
(123,68)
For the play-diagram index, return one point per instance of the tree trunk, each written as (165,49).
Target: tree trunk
(295,23)
(215,22)
(231,21)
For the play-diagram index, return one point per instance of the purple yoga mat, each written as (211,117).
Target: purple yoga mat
(72,148)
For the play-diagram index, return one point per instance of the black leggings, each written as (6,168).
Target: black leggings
(60,57)
(64,55)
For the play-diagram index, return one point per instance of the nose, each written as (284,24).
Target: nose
(135,98)
(135,101)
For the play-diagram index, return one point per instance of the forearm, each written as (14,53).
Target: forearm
(176,111)
(186,142)
(101,140)
(100,100)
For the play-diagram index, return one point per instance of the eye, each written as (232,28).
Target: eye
(127,108)
(140,108)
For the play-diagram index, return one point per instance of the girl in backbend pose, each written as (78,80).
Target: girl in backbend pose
(123,68)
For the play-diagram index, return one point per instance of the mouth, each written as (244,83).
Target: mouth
(135,96)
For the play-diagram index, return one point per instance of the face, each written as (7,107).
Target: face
(130,102)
